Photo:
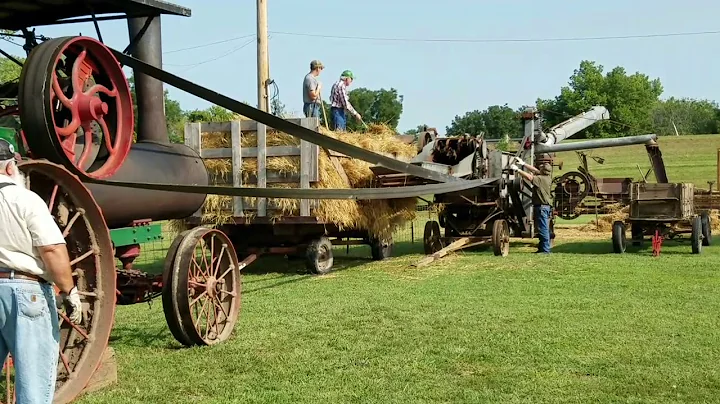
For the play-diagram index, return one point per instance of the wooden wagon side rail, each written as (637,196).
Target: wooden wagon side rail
(306,151)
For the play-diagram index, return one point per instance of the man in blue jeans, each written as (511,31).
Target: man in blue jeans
(32,255)
(311,90)
(340,101)
(541,199)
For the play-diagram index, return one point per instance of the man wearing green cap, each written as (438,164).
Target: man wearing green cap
(339,101)
(311,90)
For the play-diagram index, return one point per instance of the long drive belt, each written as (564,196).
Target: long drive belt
(447,183)
(280,123)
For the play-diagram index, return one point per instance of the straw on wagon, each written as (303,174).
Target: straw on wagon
(379,217)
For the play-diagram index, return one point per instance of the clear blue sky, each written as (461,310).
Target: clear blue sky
(437,80)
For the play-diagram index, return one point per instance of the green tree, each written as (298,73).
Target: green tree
(495,122)
(9,70)
(628,98)
(375,106)
(212,114)
(174,115)
(689,116)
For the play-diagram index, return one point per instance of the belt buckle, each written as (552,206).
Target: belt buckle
(12,274)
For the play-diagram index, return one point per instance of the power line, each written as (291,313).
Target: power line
(488,40)
(209,44)
(192,66)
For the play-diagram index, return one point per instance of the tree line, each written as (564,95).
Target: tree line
(633,101)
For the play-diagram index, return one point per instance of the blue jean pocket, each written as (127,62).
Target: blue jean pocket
(31,304)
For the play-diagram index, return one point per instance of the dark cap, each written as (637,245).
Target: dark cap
(7,151)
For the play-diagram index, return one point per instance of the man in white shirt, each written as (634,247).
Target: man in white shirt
(32,255)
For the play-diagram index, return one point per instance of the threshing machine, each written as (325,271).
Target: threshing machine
(502,207)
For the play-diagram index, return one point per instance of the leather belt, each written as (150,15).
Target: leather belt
(12,274)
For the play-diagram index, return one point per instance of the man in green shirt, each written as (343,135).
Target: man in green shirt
(541,198)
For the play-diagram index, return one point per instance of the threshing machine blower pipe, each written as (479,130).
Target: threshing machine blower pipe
(564,130)
(595,144)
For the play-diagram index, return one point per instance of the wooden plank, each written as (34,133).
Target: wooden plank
(261,166)
(236,156)
(245,125)
(193,139)
(456,245)
(251,152)
(304,175)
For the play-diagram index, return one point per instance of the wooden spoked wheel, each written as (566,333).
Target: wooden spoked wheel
(201,299)
(90,249)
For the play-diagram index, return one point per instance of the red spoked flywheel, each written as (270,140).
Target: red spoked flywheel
(75,106)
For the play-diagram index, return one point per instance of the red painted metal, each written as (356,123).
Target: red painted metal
(77,109)
(657,243)
(89,246)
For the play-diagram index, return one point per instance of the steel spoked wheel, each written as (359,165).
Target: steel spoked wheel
(432,241)
(204,289)
(90,249)
(76,107)
(501,238)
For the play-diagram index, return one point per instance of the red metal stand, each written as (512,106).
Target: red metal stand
(657,243)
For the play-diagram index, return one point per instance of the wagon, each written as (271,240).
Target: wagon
(662,211)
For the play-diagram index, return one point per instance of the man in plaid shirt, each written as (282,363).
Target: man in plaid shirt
(339,101)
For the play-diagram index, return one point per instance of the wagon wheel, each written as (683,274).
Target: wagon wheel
(380,248)
(619,240)
(319,256)
(696,235)
(501,238)
(706,229)
(172,317)
(75,106)
(90,250)
(432,242)
(204,289)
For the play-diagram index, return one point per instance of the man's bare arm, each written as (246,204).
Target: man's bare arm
(525,175)
(57,263)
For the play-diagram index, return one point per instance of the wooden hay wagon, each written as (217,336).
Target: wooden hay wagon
(245,153)
(662,211)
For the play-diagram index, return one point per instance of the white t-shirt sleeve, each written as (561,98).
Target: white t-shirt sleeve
(40,223)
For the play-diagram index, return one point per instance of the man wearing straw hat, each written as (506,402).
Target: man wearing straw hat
(340,101)
(311,90)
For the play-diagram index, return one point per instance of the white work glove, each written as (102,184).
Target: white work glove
(519,161)
(72,301)
(514,167)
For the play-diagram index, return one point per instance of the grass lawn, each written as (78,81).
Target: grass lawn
(687,159)
(582,325)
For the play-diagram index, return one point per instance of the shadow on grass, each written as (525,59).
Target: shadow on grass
(605,247)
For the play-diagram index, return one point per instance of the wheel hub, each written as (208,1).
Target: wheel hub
(91,108)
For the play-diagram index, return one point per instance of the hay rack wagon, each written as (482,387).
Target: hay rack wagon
(108,182)
(258,226)
(501,208)
(662,211)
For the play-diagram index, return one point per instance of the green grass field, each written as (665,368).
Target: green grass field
(582,325)
(687,159)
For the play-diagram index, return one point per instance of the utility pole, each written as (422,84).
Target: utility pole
(263,68)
